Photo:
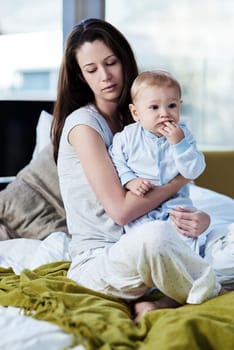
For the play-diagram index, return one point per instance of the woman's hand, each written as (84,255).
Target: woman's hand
(190,222)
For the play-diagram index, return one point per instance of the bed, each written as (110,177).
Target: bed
(42,309)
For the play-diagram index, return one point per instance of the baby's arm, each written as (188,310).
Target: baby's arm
(139,186)
(190,162)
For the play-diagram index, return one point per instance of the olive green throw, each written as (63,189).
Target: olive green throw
(101,322)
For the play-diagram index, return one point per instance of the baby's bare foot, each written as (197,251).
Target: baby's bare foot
(141,308)
(223,291)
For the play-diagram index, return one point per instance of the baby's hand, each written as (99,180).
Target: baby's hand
(173,132)
(139,186)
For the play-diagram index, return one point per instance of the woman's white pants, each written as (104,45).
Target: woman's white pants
(153,255)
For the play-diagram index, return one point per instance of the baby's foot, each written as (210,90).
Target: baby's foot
(223,291)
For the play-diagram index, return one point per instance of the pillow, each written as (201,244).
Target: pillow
(42,132)
(31,205)
(4,233)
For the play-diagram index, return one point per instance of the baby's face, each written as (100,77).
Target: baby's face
(155,105)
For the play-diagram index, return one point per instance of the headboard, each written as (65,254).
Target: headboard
(219,172)
(18,120)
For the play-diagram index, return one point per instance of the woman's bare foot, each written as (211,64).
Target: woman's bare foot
(142,307)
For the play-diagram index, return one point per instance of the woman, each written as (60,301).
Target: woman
(92,105)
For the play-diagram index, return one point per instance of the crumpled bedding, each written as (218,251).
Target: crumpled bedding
(19,332)
(98,321)
(35,281)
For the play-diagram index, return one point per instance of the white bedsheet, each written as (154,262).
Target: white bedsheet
(18,332)
(21,253)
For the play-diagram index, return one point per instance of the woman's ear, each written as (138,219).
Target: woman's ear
(133,111)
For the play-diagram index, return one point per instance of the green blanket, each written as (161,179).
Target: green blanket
(101,322)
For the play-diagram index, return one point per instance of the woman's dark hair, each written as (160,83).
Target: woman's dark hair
(72,91)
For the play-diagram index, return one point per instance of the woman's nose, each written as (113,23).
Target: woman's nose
(105,74)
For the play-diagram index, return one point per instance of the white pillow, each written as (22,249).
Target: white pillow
(42,132)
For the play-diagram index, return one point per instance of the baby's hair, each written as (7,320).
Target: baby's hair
(151,78)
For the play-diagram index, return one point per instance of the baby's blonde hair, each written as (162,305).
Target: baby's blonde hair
(151,78)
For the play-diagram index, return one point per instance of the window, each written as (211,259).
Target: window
(193,40)
(31,44)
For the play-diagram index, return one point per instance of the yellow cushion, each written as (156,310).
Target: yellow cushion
(219,172)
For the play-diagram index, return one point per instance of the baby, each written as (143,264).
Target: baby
(158,146)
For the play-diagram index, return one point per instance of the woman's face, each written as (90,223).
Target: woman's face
(101,69)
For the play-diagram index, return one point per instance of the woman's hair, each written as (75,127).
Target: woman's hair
(73,92)
(152,78)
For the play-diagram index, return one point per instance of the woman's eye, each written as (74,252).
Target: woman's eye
(91,71)
(111,63)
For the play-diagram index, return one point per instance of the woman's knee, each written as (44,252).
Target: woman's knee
(156,236)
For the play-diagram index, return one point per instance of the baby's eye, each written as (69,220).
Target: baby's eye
(172,105)
(154,107)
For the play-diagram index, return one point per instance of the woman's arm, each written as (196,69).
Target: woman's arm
(122,206)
